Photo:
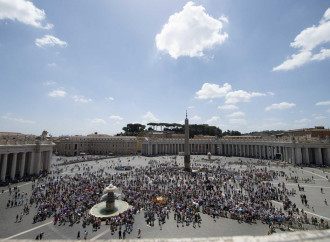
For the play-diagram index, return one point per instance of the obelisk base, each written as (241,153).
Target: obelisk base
(187,163)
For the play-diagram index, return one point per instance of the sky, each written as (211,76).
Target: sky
(77,67)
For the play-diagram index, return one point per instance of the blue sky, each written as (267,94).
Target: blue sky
(77,67)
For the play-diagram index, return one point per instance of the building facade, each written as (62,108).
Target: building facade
(22,155)
(96,144)
(318,132)
(287,149)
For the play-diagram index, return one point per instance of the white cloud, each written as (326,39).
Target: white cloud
(49,40)
(110,98)
(190,32)
(236,114)
(328,110)
(57,93)
(53,64)
(20,120)
(115,117)
(98,121)
(149,118)
(324,53)
(191,107)
(81,99)
(280,106)
(236,121)
(49,83)
(271,93)
(319,117)
(224,19)
(324,103)
(212,120)
(210,90)
(195,118)
(228,107)
(24,12)
(306,41)
(302,121)
(295,61)
(241,96)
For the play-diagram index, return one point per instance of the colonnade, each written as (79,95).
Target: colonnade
(174,148)
(306,153)
(296,154)
(20,164)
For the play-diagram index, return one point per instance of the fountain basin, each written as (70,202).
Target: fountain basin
(100,210)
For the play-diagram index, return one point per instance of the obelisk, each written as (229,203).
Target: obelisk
(186,145)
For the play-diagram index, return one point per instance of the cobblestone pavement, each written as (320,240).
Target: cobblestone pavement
(209,228)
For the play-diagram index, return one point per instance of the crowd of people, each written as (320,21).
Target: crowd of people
(246,193)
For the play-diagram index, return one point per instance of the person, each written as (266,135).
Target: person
(119,233)
(139,233)
(41,235)
(325,202)
(78,235)
(85,236)
(124,234)
(321,190)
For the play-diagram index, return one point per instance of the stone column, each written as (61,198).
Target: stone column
(13,166)
(31,164)
(327,156)
(213,149)
(22,165)
(306,156)
(272,152)
(49,160)
(4,167)
(298,156)
(293,156)
(318,157)
(37,162)
(286,154)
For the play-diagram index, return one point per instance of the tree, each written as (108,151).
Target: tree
(134,129)
(231,133)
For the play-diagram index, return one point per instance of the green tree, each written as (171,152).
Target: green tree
(134,129)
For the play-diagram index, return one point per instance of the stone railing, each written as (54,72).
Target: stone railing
(17,140)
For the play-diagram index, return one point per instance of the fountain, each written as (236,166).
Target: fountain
(109,206)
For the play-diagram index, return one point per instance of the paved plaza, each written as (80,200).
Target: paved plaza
(311,179)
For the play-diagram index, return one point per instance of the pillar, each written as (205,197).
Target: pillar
(298,156)
(49,160)
(318,156)
(327,156)
(286,151)
(37,162)
(22,165)
(306,156)
(4,167)
(13,166)
(31,164)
